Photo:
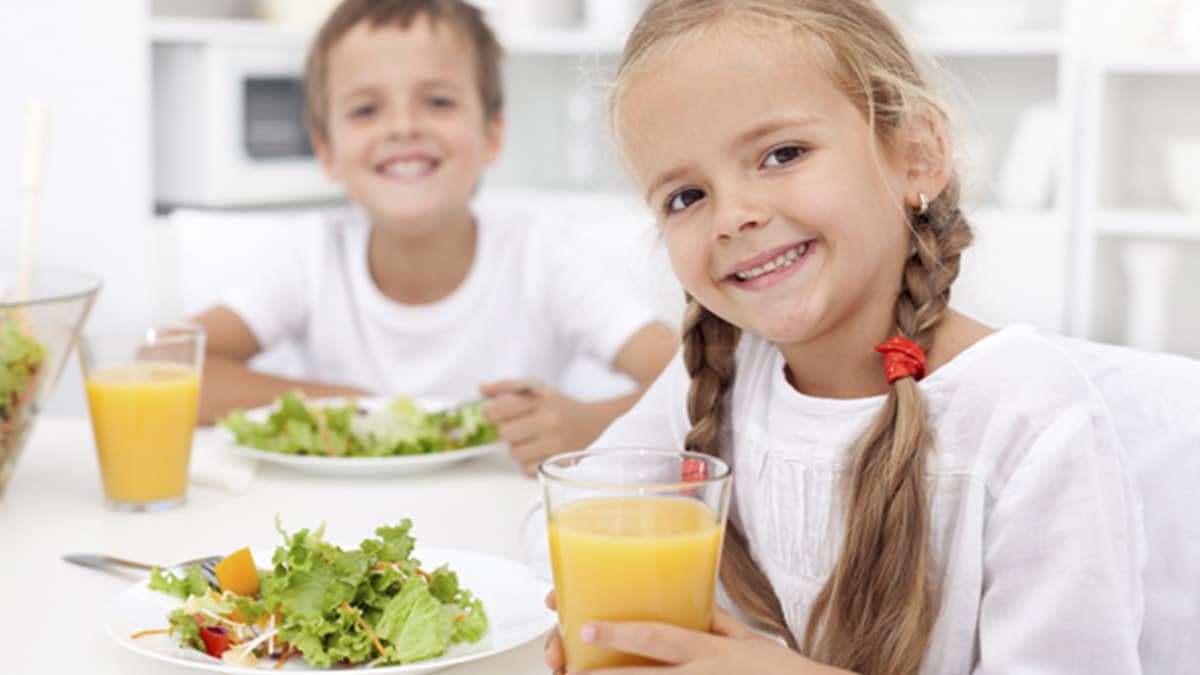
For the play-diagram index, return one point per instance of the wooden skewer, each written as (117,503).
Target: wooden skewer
(33,176)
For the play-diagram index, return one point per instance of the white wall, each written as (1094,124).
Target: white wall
(89,60)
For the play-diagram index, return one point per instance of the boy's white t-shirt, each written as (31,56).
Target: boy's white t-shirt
(1036,527)
(534,299)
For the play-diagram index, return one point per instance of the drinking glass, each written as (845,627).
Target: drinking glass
(635,535)
(143,391)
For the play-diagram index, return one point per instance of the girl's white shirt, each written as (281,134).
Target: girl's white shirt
(1036,527)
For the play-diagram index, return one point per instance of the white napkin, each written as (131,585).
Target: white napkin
(215,466)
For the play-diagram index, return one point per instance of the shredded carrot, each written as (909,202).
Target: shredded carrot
(287,654)
(423,573)
(366,626)
(324,432)
(144,633)
(460,617)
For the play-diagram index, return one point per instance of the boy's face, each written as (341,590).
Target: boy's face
(407,134)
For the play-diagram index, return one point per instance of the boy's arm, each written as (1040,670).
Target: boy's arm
(643,358)
(227,382)
(545,422)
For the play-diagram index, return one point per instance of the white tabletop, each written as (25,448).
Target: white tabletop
(51,612)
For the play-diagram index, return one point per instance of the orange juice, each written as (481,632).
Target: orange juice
(143,416)
(632,559)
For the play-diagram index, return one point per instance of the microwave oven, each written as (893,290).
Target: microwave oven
(229,126)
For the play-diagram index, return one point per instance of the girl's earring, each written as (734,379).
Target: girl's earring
(924,207)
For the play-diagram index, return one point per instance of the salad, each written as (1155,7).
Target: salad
(21,359)
(401,428)
(370,606)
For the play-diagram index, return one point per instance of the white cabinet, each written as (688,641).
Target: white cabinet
(1140,203)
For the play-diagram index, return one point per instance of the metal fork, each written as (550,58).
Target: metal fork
(208,564)
(521,391)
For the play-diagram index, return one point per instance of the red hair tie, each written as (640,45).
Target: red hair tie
(902,358)
(694,470)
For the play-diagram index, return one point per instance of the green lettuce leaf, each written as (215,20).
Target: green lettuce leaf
(474,624)
(187,628)
(191,583)
(414,623)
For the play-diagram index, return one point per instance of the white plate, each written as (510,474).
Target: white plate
(361,466)
(512,596)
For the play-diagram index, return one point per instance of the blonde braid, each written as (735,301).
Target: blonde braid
(709,344)
(877,610)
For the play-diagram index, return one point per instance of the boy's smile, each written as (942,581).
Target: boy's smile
(408,166)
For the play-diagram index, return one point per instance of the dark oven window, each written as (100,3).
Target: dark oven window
(274,118)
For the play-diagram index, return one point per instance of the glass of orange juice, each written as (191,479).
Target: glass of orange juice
(143,392)
(635,535)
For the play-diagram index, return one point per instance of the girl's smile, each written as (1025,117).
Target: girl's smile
(772,267)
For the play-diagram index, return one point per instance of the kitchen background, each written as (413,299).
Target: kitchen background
(1081,120)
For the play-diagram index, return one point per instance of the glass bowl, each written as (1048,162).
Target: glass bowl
(36,337)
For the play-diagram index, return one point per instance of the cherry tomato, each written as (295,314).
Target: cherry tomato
(216,640)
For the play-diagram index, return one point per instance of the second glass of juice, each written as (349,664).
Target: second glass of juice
(143,393)
(635,535)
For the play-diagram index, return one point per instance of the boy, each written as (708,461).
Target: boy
(410,291)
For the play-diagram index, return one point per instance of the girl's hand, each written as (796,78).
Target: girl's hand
(729,648)
(539,423)
(555,658)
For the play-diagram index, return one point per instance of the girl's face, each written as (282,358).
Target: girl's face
(407,133)
(779,212)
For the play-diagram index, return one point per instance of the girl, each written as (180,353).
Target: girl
(914,491)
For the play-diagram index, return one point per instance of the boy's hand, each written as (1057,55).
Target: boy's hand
(539,423)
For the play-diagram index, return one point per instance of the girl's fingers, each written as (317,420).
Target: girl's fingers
(658,641)
(554,653)
(725,624)
(552,600)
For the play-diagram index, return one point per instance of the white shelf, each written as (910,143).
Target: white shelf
(1163,62)
(568,41)
(252,32)
(1026,43)
(1000,216)
(248,32)
(584,201)
(1143,224)
(563,41)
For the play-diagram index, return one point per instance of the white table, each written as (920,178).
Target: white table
(51,612)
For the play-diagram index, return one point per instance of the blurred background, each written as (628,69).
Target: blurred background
(176,148)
